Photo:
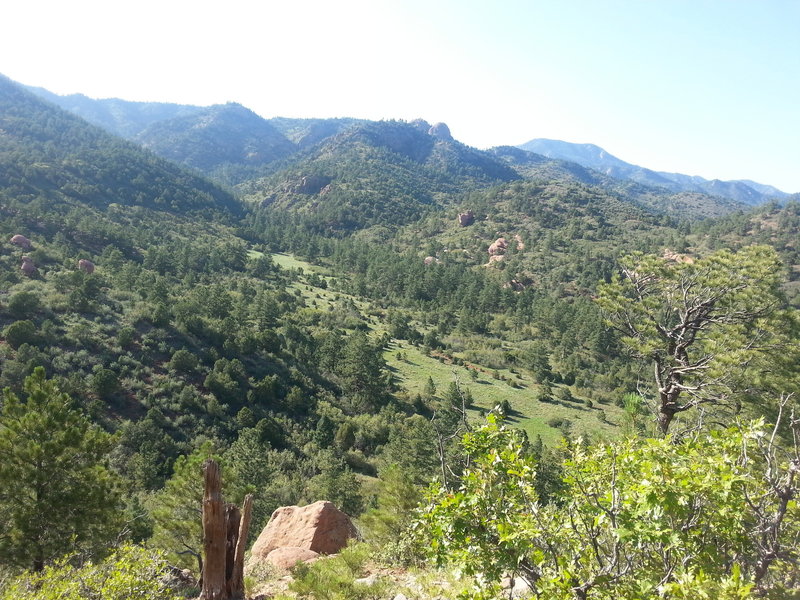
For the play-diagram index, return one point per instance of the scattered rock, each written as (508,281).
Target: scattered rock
(288,556)
(86,266)
(320,527)
(499,246)
(496,258)
(27,266)
(21,241)
(676,257)
(520,243)
(369,580)
(514,284)
(400,596)
(421,125)
(441,131)
(308,184)
(466,219)
(429,260)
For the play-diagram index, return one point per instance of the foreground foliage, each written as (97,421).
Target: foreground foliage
(130,573)
(713,516)
(56,494)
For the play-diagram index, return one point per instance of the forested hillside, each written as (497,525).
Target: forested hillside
(366,295)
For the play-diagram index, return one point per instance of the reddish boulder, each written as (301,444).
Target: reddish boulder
(21,241)
(288,556)
(499,246)
(86,266)
(320,527)
(466,219)
(27,266)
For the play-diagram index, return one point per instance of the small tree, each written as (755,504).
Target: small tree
(56,494)
(712,329)
(707,517)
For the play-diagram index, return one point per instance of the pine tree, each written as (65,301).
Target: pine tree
(56,494)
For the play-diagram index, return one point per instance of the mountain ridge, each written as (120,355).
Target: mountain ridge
(595,157)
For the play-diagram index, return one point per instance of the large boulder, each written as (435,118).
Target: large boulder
(27,266)
(441,131)
(21,241)
(86,266)
(498,247)
(288,556)
(466,219)
(320,527)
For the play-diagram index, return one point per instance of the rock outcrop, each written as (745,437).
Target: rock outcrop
(86,266)
(677,257)
(498,247)
(320,528)
(288,556)
(21,241)
(466,219)
(27,266)
(309,184)
(441,131)
(421,125)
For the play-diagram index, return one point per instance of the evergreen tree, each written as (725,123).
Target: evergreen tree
(56,494)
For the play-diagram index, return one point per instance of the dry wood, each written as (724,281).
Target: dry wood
(214,535)
(236,582)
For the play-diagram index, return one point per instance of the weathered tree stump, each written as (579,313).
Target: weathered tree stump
(214,534)
(224,540)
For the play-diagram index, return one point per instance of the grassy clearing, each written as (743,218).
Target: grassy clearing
(412,369)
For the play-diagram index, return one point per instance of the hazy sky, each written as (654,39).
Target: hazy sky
(703,87)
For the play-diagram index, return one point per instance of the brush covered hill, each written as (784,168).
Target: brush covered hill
(120,117)
(386,172)
(691,204)
(217,139)
(51,154)
(592,156)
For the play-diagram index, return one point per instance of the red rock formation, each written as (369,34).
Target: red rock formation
(21,241)
(466,219)
(676,257)
(27,266)
(499,246)
(86,266)
(288,556)
(320,527)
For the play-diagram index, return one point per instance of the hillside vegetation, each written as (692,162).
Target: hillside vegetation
(372,309)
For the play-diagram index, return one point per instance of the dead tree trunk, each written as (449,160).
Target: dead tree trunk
(224,540)
(214,535)
(236,581)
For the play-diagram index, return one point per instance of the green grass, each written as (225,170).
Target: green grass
(414,369)
(412,372)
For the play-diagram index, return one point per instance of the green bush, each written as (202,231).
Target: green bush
(20,332)
(23,305)
(130,573)
(334,578)
(183,361)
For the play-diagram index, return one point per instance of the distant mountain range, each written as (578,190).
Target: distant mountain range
(406,164)
(594,157)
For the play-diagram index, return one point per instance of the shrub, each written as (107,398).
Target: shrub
(130,573)
(20,332)
(183,361)
(23,305)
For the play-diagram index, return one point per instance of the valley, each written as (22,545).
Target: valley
(358,311)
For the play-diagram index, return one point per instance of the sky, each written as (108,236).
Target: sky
(701,87)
